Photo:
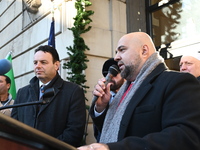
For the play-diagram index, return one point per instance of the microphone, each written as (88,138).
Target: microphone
(5,66)
(112,72)
(48,94)
(45,99)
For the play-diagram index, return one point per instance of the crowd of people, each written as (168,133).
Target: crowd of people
(145,107)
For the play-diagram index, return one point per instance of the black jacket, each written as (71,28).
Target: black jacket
(163,114)
(63,118)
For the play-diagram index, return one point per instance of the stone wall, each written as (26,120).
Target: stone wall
(21,31)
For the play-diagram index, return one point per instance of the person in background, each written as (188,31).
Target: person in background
(116,83)
(64,117)
(155,109)
(191,63)
(5,97)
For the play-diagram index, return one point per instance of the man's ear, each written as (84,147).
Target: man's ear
(8,86)
(145,50)
(57,65)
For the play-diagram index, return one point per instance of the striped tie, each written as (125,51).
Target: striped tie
(41,91)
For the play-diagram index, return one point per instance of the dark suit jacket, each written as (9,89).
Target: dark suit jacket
(63,118)
(198,78)
(164,114)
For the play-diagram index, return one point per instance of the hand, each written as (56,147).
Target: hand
(94,146)
(103,92)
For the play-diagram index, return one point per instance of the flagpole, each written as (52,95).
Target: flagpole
(51,40)
(53,18)
(9,53)
(52,10)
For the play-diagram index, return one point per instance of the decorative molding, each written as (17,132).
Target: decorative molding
(124,1)
(32,5)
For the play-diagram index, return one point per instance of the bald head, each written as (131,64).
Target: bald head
(190,64)
(132,51)
(139,39)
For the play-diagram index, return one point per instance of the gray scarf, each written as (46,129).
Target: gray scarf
(114,115)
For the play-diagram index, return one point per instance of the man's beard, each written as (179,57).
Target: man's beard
(128,72)
(116,85)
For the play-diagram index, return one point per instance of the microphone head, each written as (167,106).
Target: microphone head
(5,66)
(48,94)
(113,70)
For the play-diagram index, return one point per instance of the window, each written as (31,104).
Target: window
(173,20)
(174,27)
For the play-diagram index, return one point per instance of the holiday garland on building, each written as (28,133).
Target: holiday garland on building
(77,57)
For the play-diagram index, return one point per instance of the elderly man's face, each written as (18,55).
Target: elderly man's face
(190,64)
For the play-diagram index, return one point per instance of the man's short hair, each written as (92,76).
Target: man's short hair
(49,49)
(107,65)
(7,79)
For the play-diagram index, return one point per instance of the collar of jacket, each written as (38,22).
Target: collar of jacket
(56,82)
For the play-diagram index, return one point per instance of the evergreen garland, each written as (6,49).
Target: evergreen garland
(77,58)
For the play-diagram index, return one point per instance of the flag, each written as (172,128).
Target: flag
(51,40)
(10,74)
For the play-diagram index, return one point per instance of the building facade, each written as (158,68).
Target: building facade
(25,24)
